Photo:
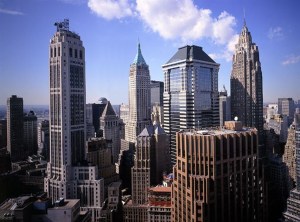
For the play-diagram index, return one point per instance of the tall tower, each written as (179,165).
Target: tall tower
(139,97)
(15,132)
(190,92)
(246,83)
(68,175)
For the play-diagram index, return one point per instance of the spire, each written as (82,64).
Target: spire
(108,110)
(139,59)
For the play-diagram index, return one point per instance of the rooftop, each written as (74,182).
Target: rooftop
(190,53)
(161,189)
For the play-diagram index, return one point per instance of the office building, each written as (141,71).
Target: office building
(124,113)
(68,174)
(191,98)
(246,83)
(216,176)
(224,107)
(15,128)
(43,139)
(286,106)
(159,204)
(3,133)
(157,92)
(293,203)
(93,113)
(139,97)
(110,126)
(30,140)
(272,109)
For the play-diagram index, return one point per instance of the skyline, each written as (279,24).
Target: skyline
(113,32)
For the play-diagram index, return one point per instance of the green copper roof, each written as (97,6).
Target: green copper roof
(139,59)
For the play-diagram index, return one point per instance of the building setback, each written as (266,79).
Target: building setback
(216,175)
(190,92)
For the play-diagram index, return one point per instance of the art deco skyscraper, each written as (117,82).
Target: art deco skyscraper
(190,92)
(246,83)
(139,97)
(67,174)
(15,132)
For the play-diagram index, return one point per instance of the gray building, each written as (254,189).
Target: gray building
(246,83)
(43,139)
(15,128)
(286,106)
(224,107)
(157,92)
(191,98)
(30,140)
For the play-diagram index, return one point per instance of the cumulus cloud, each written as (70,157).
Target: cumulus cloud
(10,12)
(291,60)
(275,33)
(111,9)
(175,19)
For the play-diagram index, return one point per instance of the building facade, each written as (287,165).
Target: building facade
(30,140)
(68,175)
(191,97)
(43,139)
(216,176)
(286,106)
(15,128)
(246,83)
(139,97)
(224,107)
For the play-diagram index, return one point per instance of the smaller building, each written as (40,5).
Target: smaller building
(5,163)
(30,133)
(159,204)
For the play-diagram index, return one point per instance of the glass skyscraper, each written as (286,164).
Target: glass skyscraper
(190,92)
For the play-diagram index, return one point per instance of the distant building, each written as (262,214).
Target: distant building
(110,126)
(246,83)
(124,113)
(191,97)
(157,92)
(3,133)
(272,109)
(280,125)
(93,113)
(216,176)
(15,128)
(293,203)
(43,139)
(30,140)
(286,106)
(139,97)
(224,107)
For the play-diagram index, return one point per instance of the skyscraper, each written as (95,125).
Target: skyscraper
(293,203)
(68,175)
(190,92)
(216,176)
(30,133)
(246,83)
(139,97)
(15,128)
(286,106)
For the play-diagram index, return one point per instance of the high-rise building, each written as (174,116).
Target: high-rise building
(139,97)
(293,203)
(272,109)
(286,106)
(246,83)
(110,126)
(15,128)
(191,98)
(157,92)
(124,113)
(93,113)
(216,176)
(224,107)
(3,133)
(68,175)
(43,139)
(30,140)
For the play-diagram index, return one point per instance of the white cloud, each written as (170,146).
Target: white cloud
(110,9)
(10,12)
(291,60)
(174,19)
(275,33)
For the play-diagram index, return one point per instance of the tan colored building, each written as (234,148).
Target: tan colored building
(216,175)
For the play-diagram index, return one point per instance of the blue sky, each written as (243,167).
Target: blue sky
(110,30)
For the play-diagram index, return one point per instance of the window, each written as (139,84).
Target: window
(70,52)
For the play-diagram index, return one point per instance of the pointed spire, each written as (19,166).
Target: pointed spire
(108,110)
(139,59)
(244,18)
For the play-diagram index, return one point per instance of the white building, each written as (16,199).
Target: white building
(67,175)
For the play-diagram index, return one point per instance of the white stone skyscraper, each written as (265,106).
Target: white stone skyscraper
(68,175)
(139,97)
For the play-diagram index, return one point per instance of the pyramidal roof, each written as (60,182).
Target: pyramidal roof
(152,130)
(190,52)
(139,59)
(108,110)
